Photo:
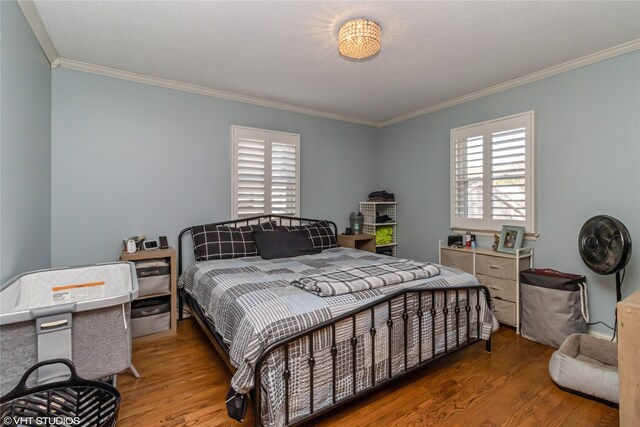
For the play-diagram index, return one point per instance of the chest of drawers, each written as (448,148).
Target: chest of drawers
(498,271)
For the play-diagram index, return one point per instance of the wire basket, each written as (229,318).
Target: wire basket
(73,402)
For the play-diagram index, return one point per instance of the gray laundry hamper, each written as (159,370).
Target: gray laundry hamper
(554,305)
(78,313)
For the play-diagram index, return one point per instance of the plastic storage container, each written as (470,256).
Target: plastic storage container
(78,313)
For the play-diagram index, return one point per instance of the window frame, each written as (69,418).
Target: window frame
(271,137)
(486,129)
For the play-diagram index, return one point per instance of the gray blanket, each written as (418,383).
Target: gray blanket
(252,304)
(346,280)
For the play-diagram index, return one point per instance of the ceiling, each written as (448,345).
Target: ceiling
(287,51)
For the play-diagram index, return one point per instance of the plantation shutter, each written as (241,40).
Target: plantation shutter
(266,176)
(508,180)
(250,163)
(468,177)
(492,174)
(284,174)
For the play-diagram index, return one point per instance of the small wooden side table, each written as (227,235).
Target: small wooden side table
(364,242)
(170,255)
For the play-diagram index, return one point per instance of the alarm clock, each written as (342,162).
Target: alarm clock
(150,244)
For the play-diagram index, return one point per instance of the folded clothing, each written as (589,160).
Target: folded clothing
(386,250)
(381,219)
(384,235)
(381,196)
(346,280)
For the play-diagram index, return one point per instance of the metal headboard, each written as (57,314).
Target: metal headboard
(280,219)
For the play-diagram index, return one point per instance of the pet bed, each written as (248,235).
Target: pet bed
(587,366)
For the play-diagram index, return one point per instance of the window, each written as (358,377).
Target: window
(492,174)
(265,172)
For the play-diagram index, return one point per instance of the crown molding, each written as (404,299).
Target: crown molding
(37,26)
(185,87)
(519,81)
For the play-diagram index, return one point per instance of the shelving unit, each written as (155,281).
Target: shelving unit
(170,256)
(370,226)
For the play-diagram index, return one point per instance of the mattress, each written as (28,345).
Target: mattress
(252,304)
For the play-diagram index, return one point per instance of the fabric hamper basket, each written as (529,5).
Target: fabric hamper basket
(78,313)
(71,402)
(554,305)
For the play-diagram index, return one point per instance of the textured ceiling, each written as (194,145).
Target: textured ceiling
(286,51)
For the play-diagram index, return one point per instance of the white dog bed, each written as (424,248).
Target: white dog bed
(587,366)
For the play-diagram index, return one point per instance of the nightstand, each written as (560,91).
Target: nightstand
(168,255)
(364,242)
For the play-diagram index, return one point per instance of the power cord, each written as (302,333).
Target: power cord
(600,323)
(615,326)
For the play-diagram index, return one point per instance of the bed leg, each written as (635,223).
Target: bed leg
(487,345)
(180,305)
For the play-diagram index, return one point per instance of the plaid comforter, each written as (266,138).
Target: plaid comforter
(252,304)
(346,280)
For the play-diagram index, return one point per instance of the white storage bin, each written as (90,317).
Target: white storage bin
(153,277)
(150,316)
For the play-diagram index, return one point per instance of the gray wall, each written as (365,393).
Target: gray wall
(587,163)
(25,147)
(137,159)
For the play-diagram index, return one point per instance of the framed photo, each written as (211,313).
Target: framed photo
(510,239)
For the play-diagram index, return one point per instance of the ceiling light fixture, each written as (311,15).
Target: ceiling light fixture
(359,39)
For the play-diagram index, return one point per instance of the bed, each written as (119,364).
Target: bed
(298,354)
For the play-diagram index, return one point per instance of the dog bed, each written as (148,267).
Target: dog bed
(587,366)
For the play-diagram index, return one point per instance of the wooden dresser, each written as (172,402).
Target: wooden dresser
(500,272)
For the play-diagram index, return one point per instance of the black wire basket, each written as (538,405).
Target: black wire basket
(69,403)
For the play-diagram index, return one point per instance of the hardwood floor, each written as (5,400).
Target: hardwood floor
(184,382)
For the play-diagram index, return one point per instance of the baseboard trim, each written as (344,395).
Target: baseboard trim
(602,335)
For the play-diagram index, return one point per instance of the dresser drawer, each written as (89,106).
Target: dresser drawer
(457,259)
(505,311)
(500,288)
(494,266)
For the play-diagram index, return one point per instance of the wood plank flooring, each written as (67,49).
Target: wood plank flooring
(184,382)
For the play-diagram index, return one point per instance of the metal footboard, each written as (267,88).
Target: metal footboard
(453,342)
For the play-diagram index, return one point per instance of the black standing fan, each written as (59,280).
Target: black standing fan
(605,247)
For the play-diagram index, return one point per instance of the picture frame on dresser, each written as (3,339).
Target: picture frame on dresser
(511,238)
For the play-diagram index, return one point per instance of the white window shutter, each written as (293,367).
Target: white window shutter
(265,172)
(285,182)
(492,174)
(508,181)
(249,167)
(468,177)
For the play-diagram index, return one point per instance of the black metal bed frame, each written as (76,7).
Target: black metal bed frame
(402,297)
